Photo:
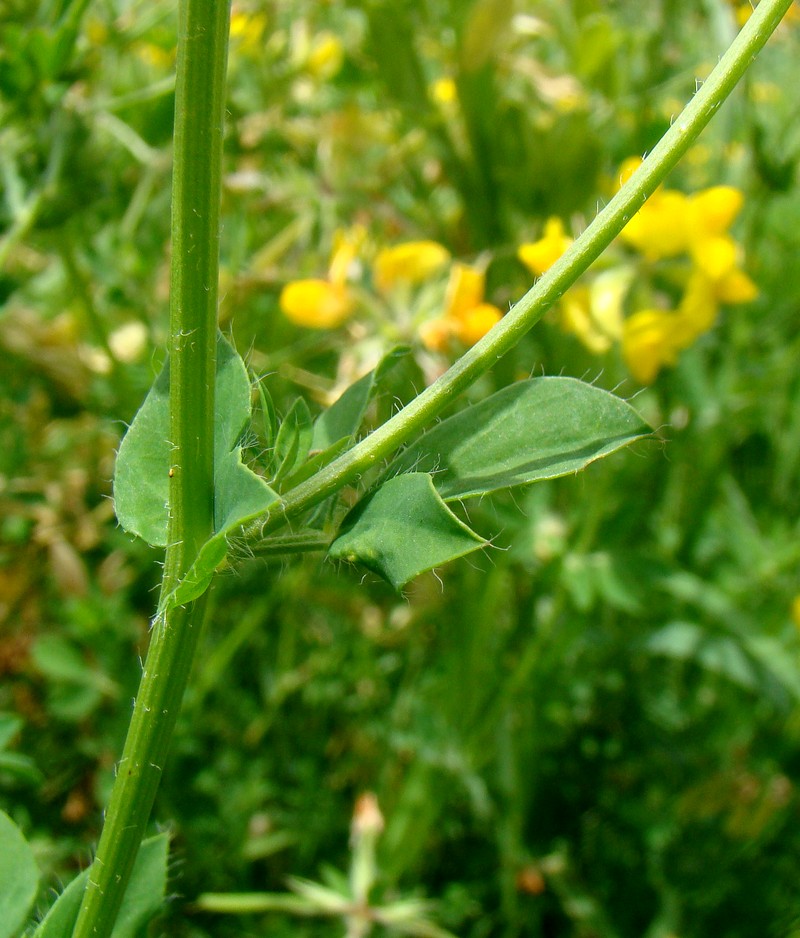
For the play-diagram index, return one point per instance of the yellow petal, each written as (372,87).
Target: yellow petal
(411,262)
(542,254)
(436,334)
(474,323)
(713,210)
(247,31)
(346,245)
(315,304)
(576,317)
(715,256)
(326,56)
(659,228)
(698,310)
(443,91)
(647,343)
(608,293)
(735,287)
(464,290)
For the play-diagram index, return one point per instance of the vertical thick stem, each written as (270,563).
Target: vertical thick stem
(199,111)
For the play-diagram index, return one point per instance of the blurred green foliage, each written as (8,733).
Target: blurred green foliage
(591,730)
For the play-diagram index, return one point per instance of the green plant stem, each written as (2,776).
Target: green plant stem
(199,109)
(546,291)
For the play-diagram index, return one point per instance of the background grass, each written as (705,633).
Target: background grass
(591,731)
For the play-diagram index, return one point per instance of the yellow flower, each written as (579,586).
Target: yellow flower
(735,287)
(541,254)
(315,304)
(410,263)
(659,229)
(648,343)
(465,290)
(796,611)
(594,313)
(476,322)
(715,253)
(247,30)
(436,334)
(443,91)
(467,318)
(712,211)
(325,304)
(672,223)
(344,257)
(154,55)
(697,311)
(325,57)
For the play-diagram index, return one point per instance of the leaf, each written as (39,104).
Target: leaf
(315,463)
(343,418)
(241,496)
(268,418)
(721,654)
(143,897)
(485,25)
(294,439)
(141,485)
(141,474)
(60,661)
(403,529)
(19,878)
(531,430)
(141,479)
(10,725)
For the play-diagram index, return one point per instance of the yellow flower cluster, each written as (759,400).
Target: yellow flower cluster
(467,317)
(670,225)
(327,303)
(411,262)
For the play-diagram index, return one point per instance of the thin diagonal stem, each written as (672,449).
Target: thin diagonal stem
(546,291)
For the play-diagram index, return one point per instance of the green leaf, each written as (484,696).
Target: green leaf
(343,418)
(10,725)
(315,463)
(74,687)
(269,418)
(403,529)
(141,474)
(141,479)
(141,485)
(536,429)
(719,653)
(143,898)
(19,878)
(294,439)
(241,496)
